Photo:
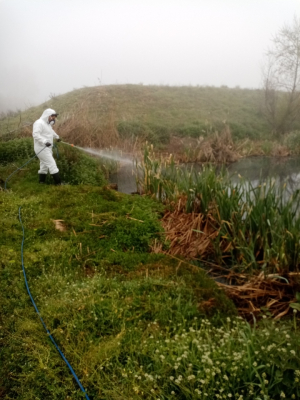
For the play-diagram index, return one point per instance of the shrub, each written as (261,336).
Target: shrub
(267,147)
(76,167)
(17,149)
(153,133)
(132,235)
(292,141)
(240,131)
(195,130)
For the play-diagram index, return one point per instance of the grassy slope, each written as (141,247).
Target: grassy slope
(181,110)
(94,284)
(132,324)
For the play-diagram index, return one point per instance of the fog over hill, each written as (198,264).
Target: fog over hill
(51,47)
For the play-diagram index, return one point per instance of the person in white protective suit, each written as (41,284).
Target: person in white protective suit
(43,135)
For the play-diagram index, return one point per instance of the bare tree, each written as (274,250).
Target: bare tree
(281,78)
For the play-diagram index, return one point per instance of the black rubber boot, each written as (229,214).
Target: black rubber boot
(42,178)
(56,178)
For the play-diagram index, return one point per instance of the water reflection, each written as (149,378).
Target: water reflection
(254,169)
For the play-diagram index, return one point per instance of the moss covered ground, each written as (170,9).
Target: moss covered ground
(133,324)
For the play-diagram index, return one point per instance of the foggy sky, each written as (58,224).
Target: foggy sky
(58,45)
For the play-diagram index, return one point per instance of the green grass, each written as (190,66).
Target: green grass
(94,284)
(156,112)
(133,324)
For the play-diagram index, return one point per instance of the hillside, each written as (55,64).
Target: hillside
(158,110)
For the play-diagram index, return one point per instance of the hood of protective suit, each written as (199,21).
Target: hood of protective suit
(42,131)
(46,114)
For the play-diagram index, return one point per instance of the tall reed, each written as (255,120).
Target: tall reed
(258,226)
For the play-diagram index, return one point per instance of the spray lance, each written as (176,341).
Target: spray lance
(72,145)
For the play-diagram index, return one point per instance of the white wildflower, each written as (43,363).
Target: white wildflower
(190,377)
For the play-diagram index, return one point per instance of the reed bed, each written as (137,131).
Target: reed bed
(246,230)
(271,294)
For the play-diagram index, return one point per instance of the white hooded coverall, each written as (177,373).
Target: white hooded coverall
(43,133)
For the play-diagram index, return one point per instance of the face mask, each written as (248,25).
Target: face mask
(52,122)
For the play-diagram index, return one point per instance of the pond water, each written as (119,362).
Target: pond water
(282,169)
(125,178)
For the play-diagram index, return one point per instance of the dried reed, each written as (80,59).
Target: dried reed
(243,230)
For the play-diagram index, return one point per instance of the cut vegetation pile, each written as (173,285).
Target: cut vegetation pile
(272,294)
(190,234)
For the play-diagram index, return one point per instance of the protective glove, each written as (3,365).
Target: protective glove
(58,140)
(48,144)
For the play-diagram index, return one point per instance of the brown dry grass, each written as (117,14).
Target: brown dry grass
(93,130)
(191,235)
(85,130)
(279,150)
(263,293)
(217,148)
(93,123)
